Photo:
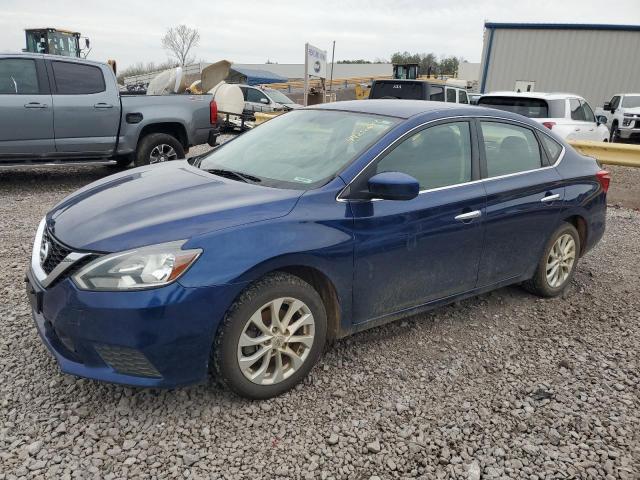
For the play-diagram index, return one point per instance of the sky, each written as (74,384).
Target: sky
(254,32)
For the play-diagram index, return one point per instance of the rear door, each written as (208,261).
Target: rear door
(581,128)
(87,108)
(524,199)
(408,253)
(26,113)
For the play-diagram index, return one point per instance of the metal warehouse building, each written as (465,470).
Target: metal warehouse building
(594,61)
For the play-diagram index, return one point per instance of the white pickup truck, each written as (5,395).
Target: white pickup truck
(623,116)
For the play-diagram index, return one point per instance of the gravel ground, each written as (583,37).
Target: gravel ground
(505,385)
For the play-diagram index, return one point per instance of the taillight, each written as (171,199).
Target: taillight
(604,178)
(549,125)
(213,112)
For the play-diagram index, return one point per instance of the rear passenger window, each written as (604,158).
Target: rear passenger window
(437,156)
(18,76)
(463,97)
(436,94)
(553,148)
(77,79)
(451,95)
(509,149)
(577,113)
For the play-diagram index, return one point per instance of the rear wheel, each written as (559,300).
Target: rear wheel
(557,265)
(271,337)
(158,148)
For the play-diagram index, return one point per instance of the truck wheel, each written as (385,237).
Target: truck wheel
(615,133)
(158,147)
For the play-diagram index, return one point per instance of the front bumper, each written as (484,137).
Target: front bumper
(149,338)
(627,133)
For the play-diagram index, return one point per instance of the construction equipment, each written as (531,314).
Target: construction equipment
(407,71)
(56,42)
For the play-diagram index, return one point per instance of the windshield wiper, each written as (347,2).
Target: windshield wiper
(243,177)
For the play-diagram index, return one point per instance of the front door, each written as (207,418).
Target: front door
(411,252)
(524,200)
(26,113)
(87,109)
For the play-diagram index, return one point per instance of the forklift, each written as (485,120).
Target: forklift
(56,42)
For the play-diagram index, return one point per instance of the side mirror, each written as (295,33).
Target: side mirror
(393,186)
(601,120)
(607,106)
(264,100)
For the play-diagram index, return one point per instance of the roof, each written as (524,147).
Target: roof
(63,58)
(388,107)
(547,96)
(562,26)
(428,110)
(256,76)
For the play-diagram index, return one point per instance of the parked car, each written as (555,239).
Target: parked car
(266,100)
(94,121)
(417,90)
(568,115)
(623,116)
(320,223)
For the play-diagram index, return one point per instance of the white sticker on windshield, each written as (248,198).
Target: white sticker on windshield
(302,180)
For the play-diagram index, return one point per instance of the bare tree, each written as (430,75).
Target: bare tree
(179,41)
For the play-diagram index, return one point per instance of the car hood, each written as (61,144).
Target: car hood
(633,110)
(161,203)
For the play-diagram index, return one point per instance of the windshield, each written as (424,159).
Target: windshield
(631,101)
(301,149)
(279,96)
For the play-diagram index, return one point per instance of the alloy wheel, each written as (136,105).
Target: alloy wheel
(276,341)
(560,261)
(162,153)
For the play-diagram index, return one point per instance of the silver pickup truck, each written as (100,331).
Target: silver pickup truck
(60,110)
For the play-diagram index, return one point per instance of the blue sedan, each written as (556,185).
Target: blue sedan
(325,221)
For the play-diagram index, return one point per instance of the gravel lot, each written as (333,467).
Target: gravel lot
(505,385)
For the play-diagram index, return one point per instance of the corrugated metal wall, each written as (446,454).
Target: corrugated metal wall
(594,64)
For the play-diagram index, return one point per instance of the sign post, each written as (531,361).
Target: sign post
(315,64)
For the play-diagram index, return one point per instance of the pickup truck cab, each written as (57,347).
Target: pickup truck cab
(60,109)
(266,100)
(623,116)
(567,114)
(418,90)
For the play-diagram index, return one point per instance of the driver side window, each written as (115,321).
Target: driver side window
(437,156)
(255,95)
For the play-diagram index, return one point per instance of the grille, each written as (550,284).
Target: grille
(57,253)
(127,361)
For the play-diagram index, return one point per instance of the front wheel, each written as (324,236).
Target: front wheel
(558,263)
(271,337)
(158,148)
(615,133)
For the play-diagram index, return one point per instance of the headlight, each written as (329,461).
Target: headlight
(144,267)
(626,121)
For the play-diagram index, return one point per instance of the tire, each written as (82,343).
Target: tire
(615,133)
(158,147)
(255,303)
(541,284)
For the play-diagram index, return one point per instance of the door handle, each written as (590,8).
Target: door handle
(550,198)
(103,105)
(577,130)
(36,105)
(465,217)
